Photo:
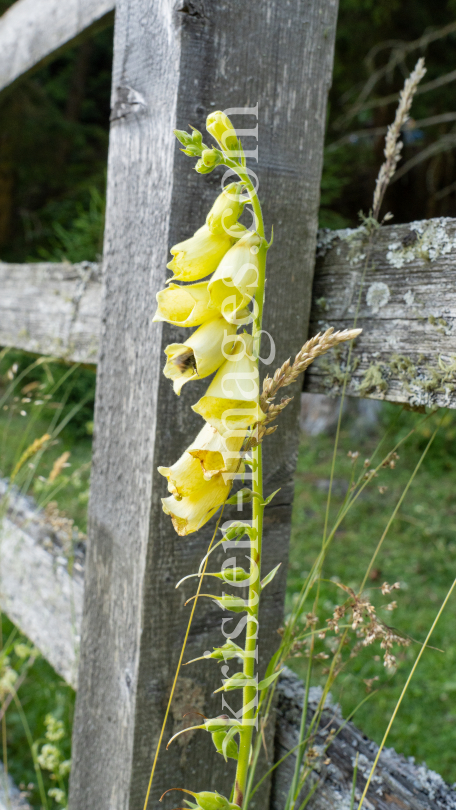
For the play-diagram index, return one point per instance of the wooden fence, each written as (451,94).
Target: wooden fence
(118,612)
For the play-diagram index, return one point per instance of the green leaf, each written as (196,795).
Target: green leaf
(272,664)
(267,681)
(228,743)
(269,499)
(269,577)
(231,749)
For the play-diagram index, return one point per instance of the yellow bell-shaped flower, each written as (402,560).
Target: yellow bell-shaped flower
(198,256)
(231,401)
(200,355)
(190,513)
(218,454)
(235,280)
(220,127)
(226,210)
(184,306)
(208,456)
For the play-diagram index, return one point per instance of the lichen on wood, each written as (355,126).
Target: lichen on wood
(406,308)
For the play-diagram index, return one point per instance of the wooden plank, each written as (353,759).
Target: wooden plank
(398,782)
(407,312)
(173,64)
(32,32)
(52,309)
(37,591)
(55,309)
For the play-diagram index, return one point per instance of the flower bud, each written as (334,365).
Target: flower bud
(237,574)
(235,281)
(220,127)
(184,306)
(211,801)
(198,256)
(237,681)
(229,650)
(226,210)
(231,401)
(210,158)
(213,724)
(200,355)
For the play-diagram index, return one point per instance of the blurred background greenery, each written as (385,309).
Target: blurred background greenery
(53,153)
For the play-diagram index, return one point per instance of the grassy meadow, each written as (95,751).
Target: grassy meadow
(419,552)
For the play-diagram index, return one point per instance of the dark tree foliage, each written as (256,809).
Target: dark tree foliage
(54,134)
(350,169)
(53,152)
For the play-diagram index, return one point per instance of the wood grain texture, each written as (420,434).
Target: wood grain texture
(397,783)
(52,309)
(407,311)
(34,31)
(37,591)
(173,64)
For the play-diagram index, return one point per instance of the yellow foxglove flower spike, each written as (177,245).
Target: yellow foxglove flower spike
(235,281)
(190,513)
(184,306)
(226,210)
(231,401)
(209,456)
(198,256)
(200,355)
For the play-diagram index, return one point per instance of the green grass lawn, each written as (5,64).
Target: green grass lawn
(420,552)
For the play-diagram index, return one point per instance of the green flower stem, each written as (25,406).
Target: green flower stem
(250,693)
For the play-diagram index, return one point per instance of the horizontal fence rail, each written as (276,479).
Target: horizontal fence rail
(41,590)
(407,310)
(52,309)
(398,783)
(34,31)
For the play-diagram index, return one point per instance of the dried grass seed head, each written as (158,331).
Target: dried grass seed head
(393,146)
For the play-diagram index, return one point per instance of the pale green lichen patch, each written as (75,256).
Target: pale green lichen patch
(425,240)
(322,303)
(377,296)
(355,238)
(375,378)
(439,324)
(421,381)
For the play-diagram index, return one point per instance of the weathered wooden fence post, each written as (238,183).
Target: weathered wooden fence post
(173,64)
